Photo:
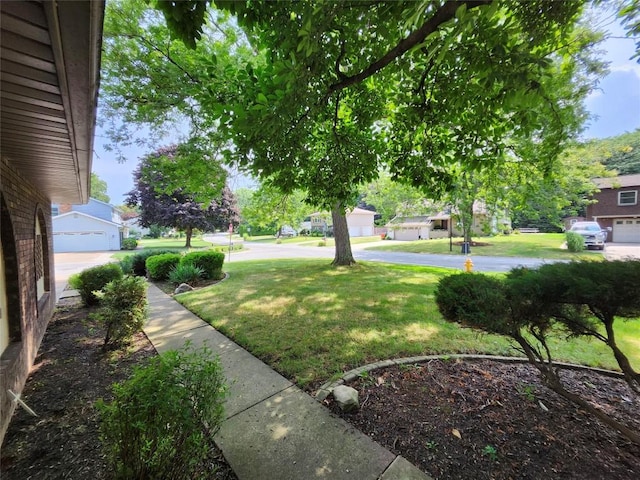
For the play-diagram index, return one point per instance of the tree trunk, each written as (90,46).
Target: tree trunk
(344,256)
(630,375)
(551,379)
(188,231)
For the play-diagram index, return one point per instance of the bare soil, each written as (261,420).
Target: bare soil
(70,373)
(489,420)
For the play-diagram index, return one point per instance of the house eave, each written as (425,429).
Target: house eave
(50,69)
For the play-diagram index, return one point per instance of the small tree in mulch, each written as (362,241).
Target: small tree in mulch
(586,295)
(514,307)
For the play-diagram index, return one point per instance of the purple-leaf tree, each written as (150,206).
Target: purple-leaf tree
(164,197)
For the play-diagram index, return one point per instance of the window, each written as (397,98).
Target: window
(630,197)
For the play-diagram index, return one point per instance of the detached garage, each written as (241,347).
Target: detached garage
(79,232)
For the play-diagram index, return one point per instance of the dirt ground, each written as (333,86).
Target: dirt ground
(488,420)
(70,373)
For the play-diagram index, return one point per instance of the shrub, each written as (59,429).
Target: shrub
(96,278)
(575,242)
(126,264)
(129,243)
(520,308)
(162,420)
(186,273)
(210,262)
(474,300)
(123,309)
(159,266)
(139,260)
(74,281)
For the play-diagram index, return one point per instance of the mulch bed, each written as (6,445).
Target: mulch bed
(488,420)
(70,373)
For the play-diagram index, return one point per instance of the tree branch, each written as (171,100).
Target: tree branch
(442,15)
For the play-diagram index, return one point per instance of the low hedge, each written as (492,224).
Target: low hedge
(209,261)
(139,260)
(159,266)
(96,278)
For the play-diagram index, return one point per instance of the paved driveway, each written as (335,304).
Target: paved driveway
(617,251)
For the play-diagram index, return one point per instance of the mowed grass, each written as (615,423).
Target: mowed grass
(176,244)
(311,321)
(528,245)
(313,241)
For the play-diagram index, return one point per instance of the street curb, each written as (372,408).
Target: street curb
(325,390)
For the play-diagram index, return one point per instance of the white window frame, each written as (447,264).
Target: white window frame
(624,204)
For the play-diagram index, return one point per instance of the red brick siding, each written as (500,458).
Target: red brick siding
(607,205)
(24,201)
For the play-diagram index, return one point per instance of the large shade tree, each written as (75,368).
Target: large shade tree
(161,204)
(327,94)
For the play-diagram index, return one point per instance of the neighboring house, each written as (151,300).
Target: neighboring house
(89,227)
(359,222)
(618,207)
(424,227)
(50,65)
(79,232)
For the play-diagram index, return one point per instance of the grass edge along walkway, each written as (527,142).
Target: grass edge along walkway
(311,321)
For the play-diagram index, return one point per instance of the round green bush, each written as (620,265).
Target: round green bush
(129,243)
(159,266)
(95,278)
(138,261)
(209,261)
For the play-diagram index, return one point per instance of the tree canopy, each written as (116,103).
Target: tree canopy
(177,208)
(317,97)
(99,188)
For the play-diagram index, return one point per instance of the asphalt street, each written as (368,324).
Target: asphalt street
(257,251)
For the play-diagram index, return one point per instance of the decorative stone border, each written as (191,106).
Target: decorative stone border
(325,390)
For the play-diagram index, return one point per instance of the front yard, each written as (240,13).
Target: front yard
(527,245)
(311,321)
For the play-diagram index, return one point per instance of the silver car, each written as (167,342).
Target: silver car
(593,234)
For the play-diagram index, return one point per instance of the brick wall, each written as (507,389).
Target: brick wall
(24,201)
(608,204)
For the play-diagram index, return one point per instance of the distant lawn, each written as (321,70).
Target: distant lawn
(530,245)
(164,243)
(311,321)
(313,241)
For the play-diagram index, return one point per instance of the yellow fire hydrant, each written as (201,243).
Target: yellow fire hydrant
(468,265)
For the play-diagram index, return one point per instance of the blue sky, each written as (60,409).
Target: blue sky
(616,106)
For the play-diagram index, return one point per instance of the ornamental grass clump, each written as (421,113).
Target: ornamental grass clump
(186,273)
(161,422)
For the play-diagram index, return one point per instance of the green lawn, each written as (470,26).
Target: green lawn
(311,321)
(313,241)
(166,243)
(532,245)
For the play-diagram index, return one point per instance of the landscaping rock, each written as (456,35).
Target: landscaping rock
(183,287)
(346,398)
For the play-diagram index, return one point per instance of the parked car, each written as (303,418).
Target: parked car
(593,234)
(286,231)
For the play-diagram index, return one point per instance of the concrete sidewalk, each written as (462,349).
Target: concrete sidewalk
(273,430)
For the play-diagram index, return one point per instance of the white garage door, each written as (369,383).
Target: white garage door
(80,241)
(626,230)
(355,232)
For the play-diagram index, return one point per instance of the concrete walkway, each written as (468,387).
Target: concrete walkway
(273,430)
